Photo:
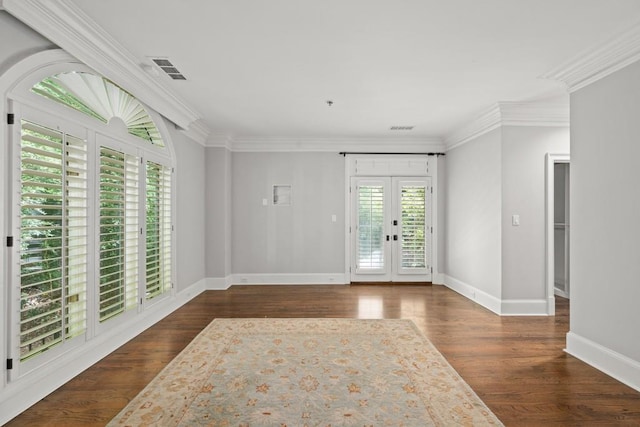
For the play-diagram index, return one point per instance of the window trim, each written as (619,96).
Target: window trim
(15,87)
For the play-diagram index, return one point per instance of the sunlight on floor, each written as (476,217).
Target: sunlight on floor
(370,307)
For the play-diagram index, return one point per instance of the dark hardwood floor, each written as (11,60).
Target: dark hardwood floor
(515,364)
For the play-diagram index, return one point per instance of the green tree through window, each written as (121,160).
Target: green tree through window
(125,237)
(53,252)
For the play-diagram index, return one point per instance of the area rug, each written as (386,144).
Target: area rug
(308,372)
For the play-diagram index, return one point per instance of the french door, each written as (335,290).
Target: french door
(391,229)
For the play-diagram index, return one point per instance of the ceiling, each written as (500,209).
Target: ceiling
(266,69)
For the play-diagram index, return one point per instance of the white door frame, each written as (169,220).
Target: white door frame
(437,277)
(550,161)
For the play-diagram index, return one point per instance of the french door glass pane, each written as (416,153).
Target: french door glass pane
(370,229)
(53,238)
(412,201)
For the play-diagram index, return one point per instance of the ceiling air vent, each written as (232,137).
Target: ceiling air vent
(401,127)
(166,66)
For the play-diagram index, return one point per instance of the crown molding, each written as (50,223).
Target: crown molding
(596,63)
(287,144)
(63,23)
(305,144)
(219,141)
(198,131)
(510,114)
(534,114)
(487,121)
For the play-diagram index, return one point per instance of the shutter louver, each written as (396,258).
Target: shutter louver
(370,242)
(101,99)
(53,238)
(413,203)
(158,230)
(118,232)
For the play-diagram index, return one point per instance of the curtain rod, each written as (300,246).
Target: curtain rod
(344,153)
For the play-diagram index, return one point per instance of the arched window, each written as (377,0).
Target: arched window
(92,174)
(102,99)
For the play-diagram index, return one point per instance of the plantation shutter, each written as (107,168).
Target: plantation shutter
(413,205)
(53,238)
(158,229)
(119,232)
(370,251)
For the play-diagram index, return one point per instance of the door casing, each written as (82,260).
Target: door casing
(405,165)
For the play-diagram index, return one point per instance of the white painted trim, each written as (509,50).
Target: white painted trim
(69,27)
(219,141)
(618,366)
(435,255)
(290,279)
(198,132)
(438,278)
(487,121)
(24,392)
(524,307)
(600,61)
(534,114)
(219,283)
(288,144)
(347,219)
(550,161)
(474,294)
(510,114)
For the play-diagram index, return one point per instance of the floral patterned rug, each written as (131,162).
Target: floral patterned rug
(308,372)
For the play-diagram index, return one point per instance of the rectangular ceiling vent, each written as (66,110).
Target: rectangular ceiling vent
(402,127)
(166,66)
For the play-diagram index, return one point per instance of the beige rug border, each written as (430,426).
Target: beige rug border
(188,393)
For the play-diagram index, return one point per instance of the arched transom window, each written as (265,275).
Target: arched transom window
(102,99)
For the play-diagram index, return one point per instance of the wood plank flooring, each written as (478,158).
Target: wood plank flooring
(515,364)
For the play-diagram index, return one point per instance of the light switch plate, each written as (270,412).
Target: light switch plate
(515,220)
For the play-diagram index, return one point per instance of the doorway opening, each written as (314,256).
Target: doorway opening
(557,228)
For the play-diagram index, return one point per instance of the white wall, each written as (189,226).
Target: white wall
(190,211)
(473,215)
(488,180)
(18,41)
(605,207)
(300,238)
(523,193)
(218,209)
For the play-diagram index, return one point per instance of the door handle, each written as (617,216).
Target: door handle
(395,237)
(387,237)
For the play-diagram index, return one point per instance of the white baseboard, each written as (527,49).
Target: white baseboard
(19,395)
(614,364)
(551,305)
(438,279)
(474,294)
(290,279)
(524,307)
(219,283)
